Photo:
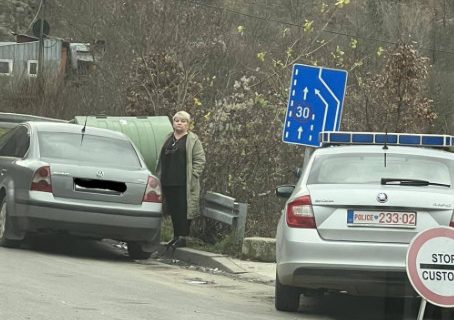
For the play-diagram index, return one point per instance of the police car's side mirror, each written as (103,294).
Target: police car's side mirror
(285,191)
(298,172)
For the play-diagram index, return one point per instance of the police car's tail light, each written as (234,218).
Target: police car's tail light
(300,214)
(41,180)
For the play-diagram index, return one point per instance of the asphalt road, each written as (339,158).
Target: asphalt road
(63,279)
(59,278)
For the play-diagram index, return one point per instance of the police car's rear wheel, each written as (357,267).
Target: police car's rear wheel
(287,298)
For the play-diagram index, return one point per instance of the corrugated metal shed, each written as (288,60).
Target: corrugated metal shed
(21,53)
(80,52)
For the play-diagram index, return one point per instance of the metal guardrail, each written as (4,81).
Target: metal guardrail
(9,120)
(225,209)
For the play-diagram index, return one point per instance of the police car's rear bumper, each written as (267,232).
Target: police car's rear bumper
(305,260)
(351,281)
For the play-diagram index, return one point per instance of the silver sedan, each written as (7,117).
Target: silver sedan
(84,181)
(349,220)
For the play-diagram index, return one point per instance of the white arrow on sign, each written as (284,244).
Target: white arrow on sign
(300,131)
(317,93)
(332,93)
(305,91)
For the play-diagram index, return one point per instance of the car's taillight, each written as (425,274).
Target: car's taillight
(41,180)
(300,214)
(153,190)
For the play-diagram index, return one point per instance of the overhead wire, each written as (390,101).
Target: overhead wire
(36,16)
(345,34)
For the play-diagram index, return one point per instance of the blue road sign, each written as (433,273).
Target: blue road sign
(315,103)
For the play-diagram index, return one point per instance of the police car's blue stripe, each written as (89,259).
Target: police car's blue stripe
(428,140)
(325,136)
(407,139)
(349,216)
(390,138)
(434,141)
(363,138)
(339,137)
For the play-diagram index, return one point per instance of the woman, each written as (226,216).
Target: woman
(180,165)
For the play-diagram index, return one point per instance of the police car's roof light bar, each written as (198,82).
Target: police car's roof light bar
(379,138)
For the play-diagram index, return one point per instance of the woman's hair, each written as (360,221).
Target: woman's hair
(182,115)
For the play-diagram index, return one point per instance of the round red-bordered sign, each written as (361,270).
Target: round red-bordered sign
(430,265)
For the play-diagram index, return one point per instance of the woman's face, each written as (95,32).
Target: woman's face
(180,125)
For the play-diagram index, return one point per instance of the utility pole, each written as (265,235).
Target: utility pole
(41,48)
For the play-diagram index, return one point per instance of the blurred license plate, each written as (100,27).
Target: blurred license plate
(381,218)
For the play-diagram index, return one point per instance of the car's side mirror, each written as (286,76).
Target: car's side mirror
(298,172)
(285,191)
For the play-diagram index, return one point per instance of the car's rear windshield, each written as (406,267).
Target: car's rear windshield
(371,168)
(71,148)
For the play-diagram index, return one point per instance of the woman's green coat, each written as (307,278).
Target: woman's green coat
(195,163)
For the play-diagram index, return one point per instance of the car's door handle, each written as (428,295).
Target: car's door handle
(3,171)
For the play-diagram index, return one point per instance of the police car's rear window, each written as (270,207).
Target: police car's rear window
(371,168)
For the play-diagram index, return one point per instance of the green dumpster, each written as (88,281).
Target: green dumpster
(147,133)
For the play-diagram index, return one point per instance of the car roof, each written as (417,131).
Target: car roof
(392,149)
(74,128)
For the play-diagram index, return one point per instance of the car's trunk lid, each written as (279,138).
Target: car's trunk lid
(335,207)
(107,184)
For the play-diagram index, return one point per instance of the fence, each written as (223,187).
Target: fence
(225,209)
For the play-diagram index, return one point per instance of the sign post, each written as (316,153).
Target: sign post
(430,267)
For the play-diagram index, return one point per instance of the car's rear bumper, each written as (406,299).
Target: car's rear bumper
(359,268)
(348,280)
(115,221)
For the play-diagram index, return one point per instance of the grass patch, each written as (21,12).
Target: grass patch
(3,130)
(226,245)
(166,229)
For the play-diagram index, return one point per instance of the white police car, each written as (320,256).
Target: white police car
(349,220)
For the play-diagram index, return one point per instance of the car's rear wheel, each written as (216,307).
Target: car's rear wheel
(287,298)
(5,226)
(136,251)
